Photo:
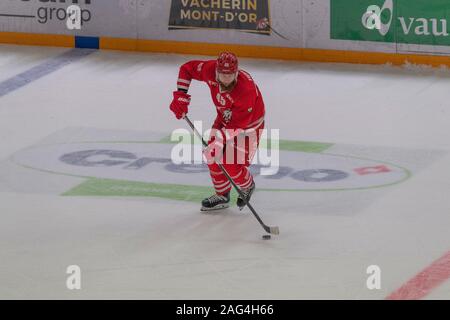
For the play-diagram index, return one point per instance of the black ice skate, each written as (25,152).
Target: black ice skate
(247,193)
(216,202)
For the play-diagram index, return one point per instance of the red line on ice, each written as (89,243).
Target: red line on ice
(425,281)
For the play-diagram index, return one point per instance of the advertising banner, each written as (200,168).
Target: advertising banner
(70,17)
(244,15)
(275,23)
(422,22)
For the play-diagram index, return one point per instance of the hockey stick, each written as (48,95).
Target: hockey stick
(272,230)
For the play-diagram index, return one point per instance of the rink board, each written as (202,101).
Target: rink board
(329,31)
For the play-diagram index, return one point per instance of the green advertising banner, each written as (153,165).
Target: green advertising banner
(423,22)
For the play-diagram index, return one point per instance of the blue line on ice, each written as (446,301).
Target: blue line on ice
(37,72)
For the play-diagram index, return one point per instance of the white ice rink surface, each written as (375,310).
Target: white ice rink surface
(157,248)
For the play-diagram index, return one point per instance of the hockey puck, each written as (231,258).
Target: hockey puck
(266,237)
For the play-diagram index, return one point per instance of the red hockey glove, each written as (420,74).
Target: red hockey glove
(180,103)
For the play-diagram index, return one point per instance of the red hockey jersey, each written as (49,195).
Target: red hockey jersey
(241,108)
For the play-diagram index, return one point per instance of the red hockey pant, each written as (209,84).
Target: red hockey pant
(236,163)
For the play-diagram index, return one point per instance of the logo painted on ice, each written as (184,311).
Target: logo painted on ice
(137,162)
(372,18)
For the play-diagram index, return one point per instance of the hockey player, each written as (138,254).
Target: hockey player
(240,108)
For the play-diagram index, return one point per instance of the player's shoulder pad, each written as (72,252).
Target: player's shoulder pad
(209,64)
(247,86)
(246,75)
